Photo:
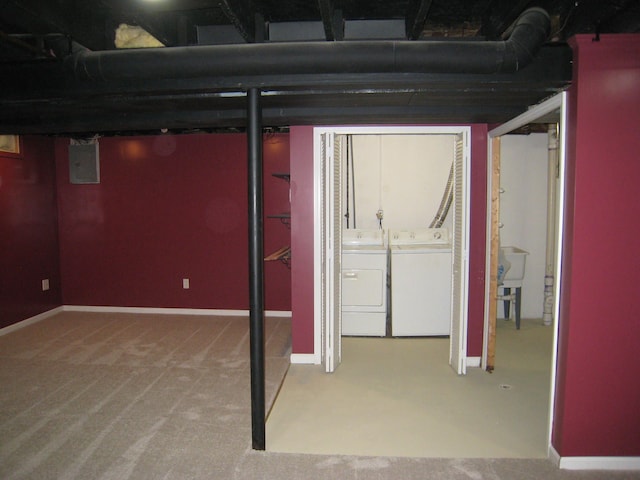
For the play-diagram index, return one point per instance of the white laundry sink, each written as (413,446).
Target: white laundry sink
(517,257)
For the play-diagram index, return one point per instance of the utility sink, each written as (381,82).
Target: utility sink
(517,257)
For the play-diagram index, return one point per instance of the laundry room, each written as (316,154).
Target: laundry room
(525,220)
(397,193)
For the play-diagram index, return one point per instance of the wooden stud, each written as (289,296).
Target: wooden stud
(495,246)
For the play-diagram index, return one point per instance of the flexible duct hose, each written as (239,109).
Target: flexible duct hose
(445,203)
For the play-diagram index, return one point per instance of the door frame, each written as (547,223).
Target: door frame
(318,206)
(557,102)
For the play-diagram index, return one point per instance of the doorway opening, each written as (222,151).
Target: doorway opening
(330,152)
(296,425)
(552,115)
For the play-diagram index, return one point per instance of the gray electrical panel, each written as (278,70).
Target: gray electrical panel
(84,163)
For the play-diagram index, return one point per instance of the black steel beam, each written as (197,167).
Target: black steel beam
(44,97)
(256,269)
(121,123)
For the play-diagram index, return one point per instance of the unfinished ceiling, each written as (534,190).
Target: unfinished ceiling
(315,62)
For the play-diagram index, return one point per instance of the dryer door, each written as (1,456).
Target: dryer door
(362,288)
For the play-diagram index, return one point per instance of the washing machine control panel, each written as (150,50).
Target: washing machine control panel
(427,236)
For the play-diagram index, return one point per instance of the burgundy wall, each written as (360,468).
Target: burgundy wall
(28,232)
(277,276)
(168,208)
(303,231)
(598,392)
(302,236)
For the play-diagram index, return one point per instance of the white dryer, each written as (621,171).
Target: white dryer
(420,282)
(364,282)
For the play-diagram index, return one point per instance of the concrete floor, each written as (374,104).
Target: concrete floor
(399,397)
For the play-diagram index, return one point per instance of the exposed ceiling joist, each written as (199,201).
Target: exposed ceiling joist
(165,33)
(625,20)
(241,16)
(332,20)
(35,17)
(134,92)
(500,15)
(603,17)
(417,12)
(35,47)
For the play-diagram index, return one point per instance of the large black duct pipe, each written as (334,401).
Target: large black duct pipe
(467,57)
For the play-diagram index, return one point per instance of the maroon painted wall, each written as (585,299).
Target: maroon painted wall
(302,236)
(598,393)
(168,208)
(28,232)
(301,139)
(277,276)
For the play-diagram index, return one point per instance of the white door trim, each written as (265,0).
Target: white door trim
(556,102)
(465,130)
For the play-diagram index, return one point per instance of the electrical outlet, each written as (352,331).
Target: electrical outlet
(45,284)
(185,283)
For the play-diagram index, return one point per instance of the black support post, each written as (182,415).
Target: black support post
(256,269)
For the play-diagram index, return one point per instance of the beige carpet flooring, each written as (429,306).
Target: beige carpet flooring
(114,396)
(399,397)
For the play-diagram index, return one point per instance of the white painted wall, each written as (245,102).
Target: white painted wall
(523,176)
(403,175)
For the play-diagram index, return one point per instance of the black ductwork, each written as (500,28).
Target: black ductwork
(529,32)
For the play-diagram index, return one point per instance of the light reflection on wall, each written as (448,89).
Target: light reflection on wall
(134,150)
(274,143)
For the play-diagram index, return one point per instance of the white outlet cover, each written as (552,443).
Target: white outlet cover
(185,283)
(45,284)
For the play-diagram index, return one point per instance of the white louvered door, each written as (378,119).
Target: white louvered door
(458,338)
(332,239)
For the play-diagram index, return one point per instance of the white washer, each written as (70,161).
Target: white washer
(364,282)
(420,282)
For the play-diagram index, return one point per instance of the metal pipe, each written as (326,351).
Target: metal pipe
(256,269)
(552,178)
(530,31)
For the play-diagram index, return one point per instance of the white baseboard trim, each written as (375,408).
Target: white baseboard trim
(600,463)
(473,362)
(29,321)
(593,463)
(141,310)
(553,455)
(305,358)
(171,311)
(277,313)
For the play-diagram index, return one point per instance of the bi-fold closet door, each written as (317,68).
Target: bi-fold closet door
(329,213)
(331,254)
(460,256)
